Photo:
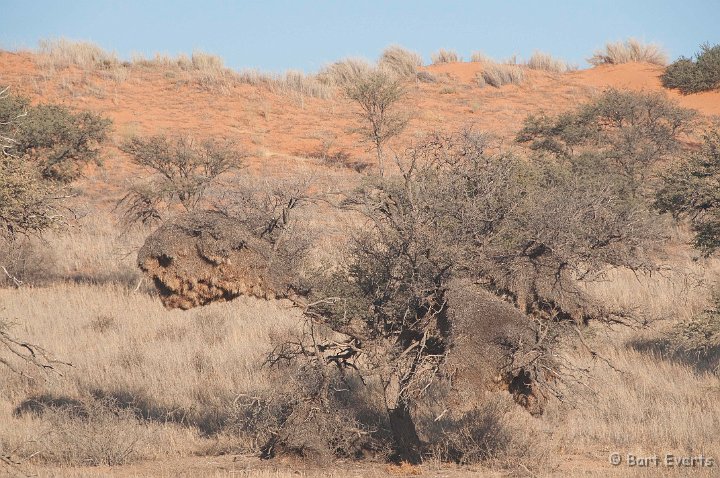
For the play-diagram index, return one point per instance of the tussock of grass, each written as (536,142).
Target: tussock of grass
(480,57)
(445,56)
(498,75)
(344,71)
(629,51)
(63,53)
(402,62)
(545,62)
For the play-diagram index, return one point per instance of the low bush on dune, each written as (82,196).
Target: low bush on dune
(694,76)
(629,51)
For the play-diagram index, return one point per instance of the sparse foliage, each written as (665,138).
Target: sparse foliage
(182,170)
(378,93)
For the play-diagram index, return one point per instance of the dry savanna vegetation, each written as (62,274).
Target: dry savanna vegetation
(385,268)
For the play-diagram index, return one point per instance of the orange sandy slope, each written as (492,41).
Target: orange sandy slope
(280,132)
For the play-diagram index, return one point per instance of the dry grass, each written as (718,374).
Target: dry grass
(153,384)
(63,53)
(178,373)
(345,71)
(629,51)
(480,57)
(545,62)
(402,62)
(290,82)
(445,56)
(497,75)
(650,407)
(205,70)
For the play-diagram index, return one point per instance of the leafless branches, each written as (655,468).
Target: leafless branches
(17,354)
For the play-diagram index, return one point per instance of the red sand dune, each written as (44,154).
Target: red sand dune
(282,131)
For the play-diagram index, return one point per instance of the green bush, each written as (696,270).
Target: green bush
(633,131)
(690,76)
(44,148)
(690,190)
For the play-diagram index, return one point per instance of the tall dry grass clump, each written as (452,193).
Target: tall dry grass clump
(290,82)
(545,62)
(445,56)
(402,62)
(497,75)
(62,53)
(629,51)
(345,71)
(480,57)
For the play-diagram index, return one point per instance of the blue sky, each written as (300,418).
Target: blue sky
(282,34)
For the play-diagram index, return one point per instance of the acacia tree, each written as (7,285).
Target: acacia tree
(632,131)
(181,172)
(527,228)
(43,149)
(378,93)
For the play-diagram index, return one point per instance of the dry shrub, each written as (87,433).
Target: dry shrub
(445,56)
(649,404)
(545,62)
(426,77)
(308,413)
(694,342)
(498,75)
(291,81)
(88,433)
(102,324)
(629,51)
(494,432)
(402,62)
(26,262)
(298,82)
(210,72)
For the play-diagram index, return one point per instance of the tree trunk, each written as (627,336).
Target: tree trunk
(405,434)
(378,150)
